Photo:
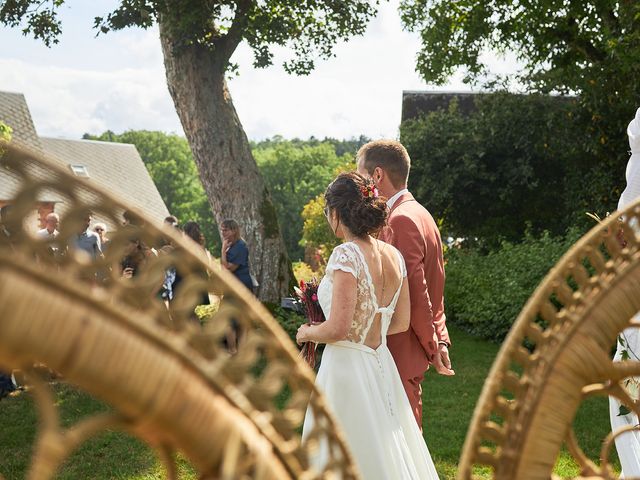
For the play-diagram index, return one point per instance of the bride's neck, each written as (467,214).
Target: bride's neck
(352,238)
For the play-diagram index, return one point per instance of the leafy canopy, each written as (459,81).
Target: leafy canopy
(565,45)
(295,172)
(585,47)
(309,28)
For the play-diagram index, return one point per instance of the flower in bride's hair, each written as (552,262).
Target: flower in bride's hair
(369,190)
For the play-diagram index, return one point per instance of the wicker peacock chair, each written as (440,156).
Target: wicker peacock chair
(168,381)
(557,354)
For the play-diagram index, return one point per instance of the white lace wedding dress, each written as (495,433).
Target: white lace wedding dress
(362,384)
(628,444)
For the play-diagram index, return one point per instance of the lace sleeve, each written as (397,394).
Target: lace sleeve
(343,258)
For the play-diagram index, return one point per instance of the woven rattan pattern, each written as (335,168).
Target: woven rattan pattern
(169,381)
(557,354)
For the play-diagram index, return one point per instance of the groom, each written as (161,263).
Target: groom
(413,231)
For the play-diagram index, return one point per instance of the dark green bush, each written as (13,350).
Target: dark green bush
(288,319)
(484,293)
(511,164)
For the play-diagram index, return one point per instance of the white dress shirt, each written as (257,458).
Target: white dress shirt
(393,199)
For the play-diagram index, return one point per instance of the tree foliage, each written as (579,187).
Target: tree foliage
(6,133)
(316,232)
(170,164)
(295,172)
(512,164)
(587,47)
(564,45)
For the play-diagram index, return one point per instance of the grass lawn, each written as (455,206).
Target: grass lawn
(448,407)
(448,404)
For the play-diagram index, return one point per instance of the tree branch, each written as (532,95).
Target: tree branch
(226,44)
(574,42)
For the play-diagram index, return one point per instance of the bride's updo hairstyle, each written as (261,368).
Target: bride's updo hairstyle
(356,201)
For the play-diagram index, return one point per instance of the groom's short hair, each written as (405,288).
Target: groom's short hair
(391,156)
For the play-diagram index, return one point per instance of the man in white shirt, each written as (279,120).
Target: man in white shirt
(51,226)
(50,232)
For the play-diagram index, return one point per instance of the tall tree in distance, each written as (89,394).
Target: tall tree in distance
(198,39)
(297,171)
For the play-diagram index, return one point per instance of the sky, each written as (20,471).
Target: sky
(116,81)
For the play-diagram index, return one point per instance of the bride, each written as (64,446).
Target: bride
(365,297)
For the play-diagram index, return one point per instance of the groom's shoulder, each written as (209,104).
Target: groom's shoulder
(410,208)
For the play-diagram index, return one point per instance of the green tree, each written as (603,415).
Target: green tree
(170,163)
(586,47)
(296,172)
(198,38)
(501,169)
(316,232)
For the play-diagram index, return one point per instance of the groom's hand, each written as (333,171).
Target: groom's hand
(442,362)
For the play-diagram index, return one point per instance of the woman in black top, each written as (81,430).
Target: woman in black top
(235,253)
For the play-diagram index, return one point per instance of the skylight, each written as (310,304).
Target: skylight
(79,170)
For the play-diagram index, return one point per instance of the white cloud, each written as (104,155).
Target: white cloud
(69,102)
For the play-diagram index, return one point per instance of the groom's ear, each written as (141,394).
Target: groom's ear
(378,174)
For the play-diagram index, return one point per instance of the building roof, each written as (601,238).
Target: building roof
(416,103)
(15,113)
(114,166)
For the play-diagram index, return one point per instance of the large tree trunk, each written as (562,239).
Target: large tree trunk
(229,173)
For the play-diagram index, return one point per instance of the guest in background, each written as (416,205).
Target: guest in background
(235,253)
(171,220)
(88,241)
(172,277)
(4,227)
(7,382)
(192,230)
(50,230)
(130,218)
(101,230)
(136,255)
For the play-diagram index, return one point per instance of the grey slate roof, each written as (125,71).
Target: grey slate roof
(114,166)
(15,113)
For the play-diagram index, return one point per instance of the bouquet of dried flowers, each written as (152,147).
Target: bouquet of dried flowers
(307,297)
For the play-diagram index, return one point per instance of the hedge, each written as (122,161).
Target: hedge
(484,293)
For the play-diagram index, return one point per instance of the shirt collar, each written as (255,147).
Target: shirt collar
(391,202)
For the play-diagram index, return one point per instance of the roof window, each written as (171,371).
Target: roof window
(79,170)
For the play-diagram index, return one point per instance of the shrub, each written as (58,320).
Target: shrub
(484,293)
(288,319)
